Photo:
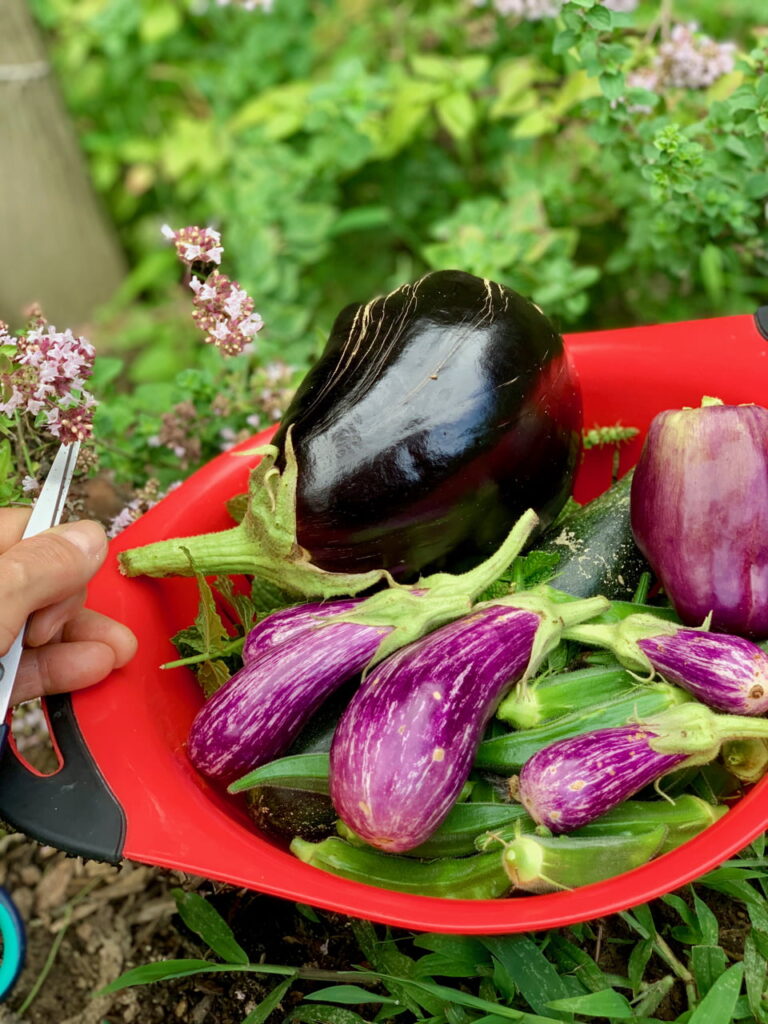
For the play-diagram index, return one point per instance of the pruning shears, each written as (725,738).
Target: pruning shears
(46,513)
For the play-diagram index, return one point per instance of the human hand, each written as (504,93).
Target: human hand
(66,646)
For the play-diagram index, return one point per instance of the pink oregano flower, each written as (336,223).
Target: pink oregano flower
(47,380)
(195,245)
(222,309)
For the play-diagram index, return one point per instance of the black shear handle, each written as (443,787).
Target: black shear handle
(73,809)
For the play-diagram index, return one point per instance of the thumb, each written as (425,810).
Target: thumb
(45,569)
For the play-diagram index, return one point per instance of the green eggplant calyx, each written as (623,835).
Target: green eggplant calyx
(555,616)
(621,638)
(411,612)
(694,730)
(264,544)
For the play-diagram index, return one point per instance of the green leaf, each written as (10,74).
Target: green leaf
(755,973)
(534,976)
(459,998)
(612,84)
(707,964)
(456,112)
(204,920)
(599,18)
(6,460)
(564,41)
(324,1015)
(307,772)
(158,21)
(638,961)
(167,970)
(608,1003)
(711,269)
(269,1004)
(720,1002)
(352,994)
(541,121)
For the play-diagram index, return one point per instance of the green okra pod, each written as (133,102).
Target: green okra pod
(683,819)
(479,877)
(507,754)
(457,834)
(563,694)
(540,864)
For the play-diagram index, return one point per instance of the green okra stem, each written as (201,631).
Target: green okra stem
(540,864)
(479,877)
(746,759)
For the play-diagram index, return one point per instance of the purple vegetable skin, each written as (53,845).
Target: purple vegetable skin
(287,623)
(405,745)
(258,713)
(727,673)
(295,659)
(572,782)
(699,511)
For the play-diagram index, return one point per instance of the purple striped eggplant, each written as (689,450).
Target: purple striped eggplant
(571,783)
(296,658)
(699,511)
(727,673)
(405,745)
(286,623)
(260,711)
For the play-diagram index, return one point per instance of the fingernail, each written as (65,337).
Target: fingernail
(88,537)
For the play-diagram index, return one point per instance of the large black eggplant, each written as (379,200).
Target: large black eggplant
(435,416)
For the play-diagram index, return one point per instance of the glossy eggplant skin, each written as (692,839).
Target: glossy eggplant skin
(434,417)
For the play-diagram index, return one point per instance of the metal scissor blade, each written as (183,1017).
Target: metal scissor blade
(45,514)
(50,502)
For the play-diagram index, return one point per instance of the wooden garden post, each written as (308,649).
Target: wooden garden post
(56,245)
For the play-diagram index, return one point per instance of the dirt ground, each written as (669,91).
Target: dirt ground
(115,918)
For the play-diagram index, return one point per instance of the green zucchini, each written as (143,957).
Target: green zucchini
(593,548)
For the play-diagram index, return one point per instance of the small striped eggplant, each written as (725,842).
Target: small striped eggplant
(296,658)
(571,783)
(286,623)
(727,673)
(260,711)
(405,745)
(699,512)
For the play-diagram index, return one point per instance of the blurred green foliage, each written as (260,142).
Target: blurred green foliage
(344,147)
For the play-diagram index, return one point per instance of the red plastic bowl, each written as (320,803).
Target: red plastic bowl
(135,723)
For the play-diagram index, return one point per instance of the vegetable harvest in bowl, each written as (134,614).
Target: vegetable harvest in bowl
(406,770)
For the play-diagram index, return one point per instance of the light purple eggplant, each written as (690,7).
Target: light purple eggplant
(258,713)
(699,512)
(295,659)
(286,623)
(572,782)
(405,745)
(725,672)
